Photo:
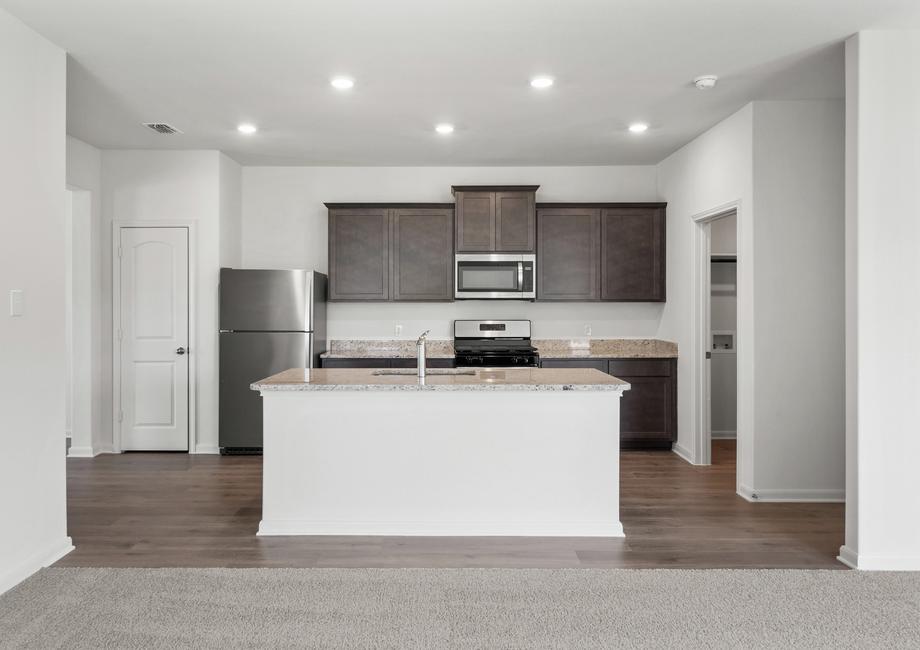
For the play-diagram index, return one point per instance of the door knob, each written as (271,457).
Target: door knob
(180,350)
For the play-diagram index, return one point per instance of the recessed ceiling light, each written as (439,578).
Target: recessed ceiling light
(444,129)
(248,129)
(342,83)
(541,82)
(638,127)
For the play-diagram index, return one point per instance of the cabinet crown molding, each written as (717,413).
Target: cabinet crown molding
(493,188)
(403,204)
(576,204)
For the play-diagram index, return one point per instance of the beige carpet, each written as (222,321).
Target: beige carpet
(460,608)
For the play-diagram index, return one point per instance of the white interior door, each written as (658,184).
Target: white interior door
(154,338)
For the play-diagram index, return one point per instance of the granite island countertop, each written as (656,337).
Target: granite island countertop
(548,349)
(484,379)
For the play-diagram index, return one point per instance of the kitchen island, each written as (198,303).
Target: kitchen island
(518,452)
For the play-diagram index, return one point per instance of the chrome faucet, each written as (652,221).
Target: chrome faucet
(421,352)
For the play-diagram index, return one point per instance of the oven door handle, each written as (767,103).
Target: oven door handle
(520,276)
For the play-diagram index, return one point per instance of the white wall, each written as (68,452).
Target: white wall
(32,510)
(724,236)
(799,435)
(783,163)
(713,170)
(883,310)
(284,226)
(84,177)
(175,187)
(231,216)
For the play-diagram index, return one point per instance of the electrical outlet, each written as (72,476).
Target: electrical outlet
(16,302)
(398,329)
(587,329)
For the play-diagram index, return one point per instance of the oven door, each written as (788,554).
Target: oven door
(493,275)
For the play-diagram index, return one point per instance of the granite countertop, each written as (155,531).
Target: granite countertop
(605,348)
(507,379)
(386,349)
(548,349)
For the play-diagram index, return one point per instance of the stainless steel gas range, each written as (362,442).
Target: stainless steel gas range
(494,344)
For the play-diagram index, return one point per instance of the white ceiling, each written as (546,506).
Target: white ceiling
(206,65)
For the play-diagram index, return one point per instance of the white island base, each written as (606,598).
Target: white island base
(347,459)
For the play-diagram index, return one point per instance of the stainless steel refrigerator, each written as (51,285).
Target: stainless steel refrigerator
(269,321)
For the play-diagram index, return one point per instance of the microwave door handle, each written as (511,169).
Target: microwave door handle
(520,276)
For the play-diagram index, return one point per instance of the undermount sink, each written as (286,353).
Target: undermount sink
(430,371)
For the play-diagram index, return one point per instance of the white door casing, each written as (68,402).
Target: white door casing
(152,335)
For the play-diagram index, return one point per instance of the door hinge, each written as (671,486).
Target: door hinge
(121,416)
(119,251)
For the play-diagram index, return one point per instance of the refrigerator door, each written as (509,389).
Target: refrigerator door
(246,357)
(263,300)
(318,319)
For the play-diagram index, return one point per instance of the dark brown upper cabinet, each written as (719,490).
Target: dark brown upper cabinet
(633,254)
(568,254)
(359,254)
(601,251)
(387,251)
(422,254)
(499,218)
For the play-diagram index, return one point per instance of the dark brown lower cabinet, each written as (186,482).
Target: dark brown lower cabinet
(648,410)
(402,362)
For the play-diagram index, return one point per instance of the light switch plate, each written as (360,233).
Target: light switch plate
(16,302)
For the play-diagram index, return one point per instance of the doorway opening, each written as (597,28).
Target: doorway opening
(78,324)
(716,341)
(723,336)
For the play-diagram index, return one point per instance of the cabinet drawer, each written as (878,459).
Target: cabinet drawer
(598,364)
(639,367)
(356,363)
(411,362)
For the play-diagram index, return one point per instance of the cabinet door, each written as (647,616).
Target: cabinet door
(648,410)
(422,256)
(514,222)
(359,254)
(633,254)
(475,222)
(568,254)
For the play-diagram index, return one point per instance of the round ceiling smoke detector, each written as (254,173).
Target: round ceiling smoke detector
(706,81)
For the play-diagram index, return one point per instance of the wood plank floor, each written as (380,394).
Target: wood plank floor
(177,510)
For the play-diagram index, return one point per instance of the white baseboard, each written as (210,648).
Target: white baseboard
(782,495)
(849,557)
(683,453)
(206,449)
(90,452)
(12,576)
(865,562)
(440,529)
(724,435)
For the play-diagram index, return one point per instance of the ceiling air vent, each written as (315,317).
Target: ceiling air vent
(162,128)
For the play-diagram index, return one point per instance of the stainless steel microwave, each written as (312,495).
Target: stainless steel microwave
(483,276)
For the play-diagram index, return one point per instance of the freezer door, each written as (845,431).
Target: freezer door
(263,300)
(246,357)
